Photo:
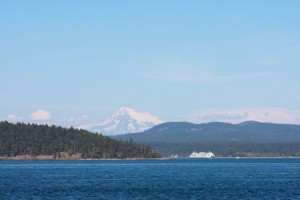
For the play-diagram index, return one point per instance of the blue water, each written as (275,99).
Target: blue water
(151,179)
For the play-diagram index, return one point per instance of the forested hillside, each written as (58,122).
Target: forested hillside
(34,140)
(230,149)
(218,132)
(247,139)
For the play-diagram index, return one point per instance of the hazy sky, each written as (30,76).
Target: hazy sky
(76,62)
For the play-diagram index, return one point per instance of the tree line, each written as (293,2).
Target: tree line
(229,149)
(32,139)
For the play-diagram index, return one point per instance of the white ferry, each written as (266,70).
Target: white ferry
(174,156)
(202,155)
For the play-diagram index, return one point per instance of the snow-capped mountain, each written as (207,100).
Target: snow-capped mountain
(125,120)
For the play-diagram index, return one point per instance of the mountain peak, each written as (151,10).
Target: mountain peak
(139,116)
(124,120)
(126,109)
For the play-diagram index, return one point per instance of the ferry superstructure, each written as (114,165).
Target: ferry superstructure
(202,155)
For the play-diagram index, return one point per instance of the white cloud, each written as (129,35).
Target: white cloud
(41,115)
(13,118)
(273,115)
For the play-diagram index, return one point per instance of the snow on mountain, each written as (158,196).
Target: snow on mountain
(125,120)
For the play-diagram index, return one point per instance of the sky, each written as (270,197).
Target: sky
(75,62)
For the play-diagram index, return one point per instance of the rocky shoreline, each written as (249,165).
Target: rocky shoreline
(78,157)
(64,156)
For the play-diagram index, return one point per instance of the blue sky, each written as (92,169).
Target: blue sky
(75,62)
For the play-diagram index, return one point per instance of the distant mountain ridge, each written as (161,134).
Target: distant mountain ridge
(125,120)
(249,131)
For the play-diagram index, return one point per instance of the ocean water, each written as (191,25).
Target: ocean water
(151,179)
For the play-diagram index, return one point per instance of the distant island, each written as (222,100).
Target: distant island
(31,141)
(247,139)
